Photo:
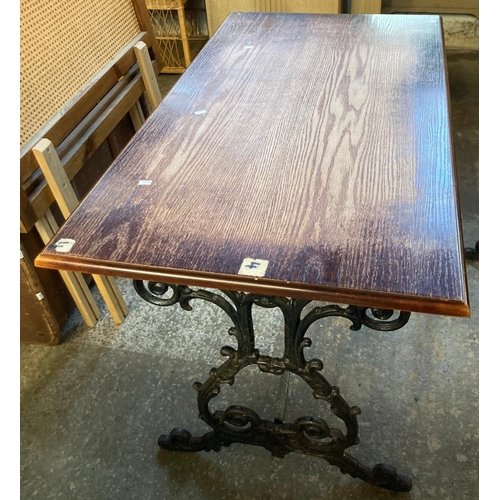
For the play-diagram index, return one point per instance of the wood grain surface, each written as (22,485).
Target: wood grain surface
(320,143)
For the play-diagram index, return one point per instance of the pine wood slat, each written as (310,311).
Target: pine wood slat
(148,74)
(75,283)
(319,143)
(67,201)
(145,24)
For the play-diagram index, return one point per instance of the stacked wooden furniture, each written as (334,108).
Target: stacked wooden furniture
(82,99)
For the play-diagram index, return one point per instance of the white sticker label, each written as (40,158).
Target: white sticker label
(200,112)
(64,245)
(253,267)
(39,296)
(145,182)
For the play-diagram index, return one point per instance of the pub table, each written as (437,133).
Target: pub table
(300,158)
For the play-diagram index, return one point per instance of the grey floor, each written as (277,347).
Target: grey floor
(93,407)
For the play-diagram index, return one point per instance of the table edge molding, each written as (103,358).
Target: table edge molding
(263,286)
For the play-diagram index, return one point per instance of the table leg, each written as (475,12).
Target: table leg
(309,435)
(472,253)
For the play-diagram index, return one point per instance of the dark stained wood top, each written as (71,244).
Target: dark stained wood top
(320,143)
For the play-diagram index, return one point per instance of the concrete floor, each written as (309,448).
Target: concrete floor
(93,407)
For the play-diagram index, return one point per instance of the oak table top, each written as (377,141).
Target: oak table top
(318,145)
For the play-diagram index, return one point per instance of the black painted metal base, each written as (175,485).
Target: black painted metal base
(308,435)
(281,439)
(472,253)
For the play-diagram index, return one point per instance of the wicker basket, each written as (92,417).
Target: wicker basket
(169,23)
(165,4)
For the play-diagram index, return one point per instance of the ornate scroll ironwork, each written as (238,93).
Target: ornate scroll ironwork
(472,253)
(237,424)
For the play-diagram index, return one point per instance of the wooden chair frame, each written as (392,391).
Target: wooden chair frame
(82,125)
(67,201)
(56,153)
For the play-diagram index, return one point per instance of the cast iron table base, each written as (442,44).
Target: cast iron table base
(308,435)
(472,253)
